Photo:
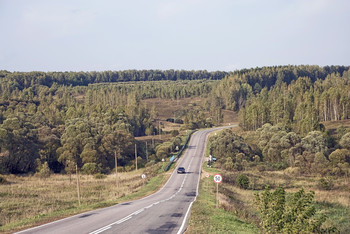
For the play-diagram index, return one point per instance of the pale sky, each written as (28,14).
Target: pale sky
(85,35)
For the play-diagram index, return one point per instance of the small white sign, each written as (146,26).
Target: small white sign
(143,176)
(217,178)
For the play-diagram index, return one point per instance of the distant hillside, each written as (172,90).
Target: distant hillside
(298,97)
(21,80)
(68,119)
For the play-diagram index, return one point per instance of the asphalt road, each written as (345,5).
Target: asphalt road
(165,211)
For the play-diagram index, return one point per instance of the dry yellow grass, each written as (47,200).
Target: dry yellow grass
(168,108)
(29,197)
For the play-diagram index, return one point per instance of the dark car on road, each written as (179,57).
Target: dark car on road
(181,170)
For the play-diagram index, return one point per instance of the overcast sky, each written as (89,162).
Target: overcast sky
(84,35)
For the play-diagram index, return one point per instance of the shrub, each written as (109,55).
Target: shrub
(170,120)
(174,133)
(242,181)
(99,176)
(179,121)
(296,213)
(44,171)
(91,168)
(325,184)
(228,164)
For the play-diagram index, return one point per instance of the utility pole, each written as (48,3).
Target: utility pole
(78,182)
(136,156)
(146,152)
(116,168)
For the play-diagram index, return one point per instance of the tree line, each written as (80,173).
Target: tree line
(39,111)
(21,80)
(301,105)
(275,147)
(64,126)
(241,85)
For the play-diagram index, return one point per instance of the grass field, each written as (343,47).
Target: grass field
(168,108)
(28,200)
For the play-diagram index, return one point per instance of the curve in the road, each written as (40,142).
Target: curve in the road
(165,211)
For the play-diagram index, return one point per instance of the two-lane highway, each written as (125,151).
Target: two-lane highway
(165,211)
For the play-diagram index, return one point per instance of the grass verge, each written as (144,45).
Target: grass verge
(206,218)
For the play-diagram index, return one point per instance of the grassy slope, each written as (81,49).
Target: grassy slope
(335,204)
(168,108)
(206,218)
(28,201)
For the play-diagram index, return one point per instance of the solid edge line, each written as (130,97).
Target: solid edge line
(199,177)
(172,174)
(156,203)
(188,211)
(100,230)
(105,208)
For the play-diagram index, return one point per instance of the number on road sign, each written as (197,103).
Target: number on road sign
(217,178)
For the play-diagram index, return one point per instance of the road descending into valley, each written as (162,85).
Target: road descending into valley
(165,211)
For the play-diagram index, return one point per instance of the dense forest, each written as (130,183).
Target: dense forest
(276,148)
(63,119)
(21,80)
(301,105)
(63,126)
(283,119)
(299,97)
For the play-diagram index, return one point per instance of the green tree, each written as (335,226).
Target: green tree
(340,159)
(44,171)
(345,141)
(280,213)
(315,142)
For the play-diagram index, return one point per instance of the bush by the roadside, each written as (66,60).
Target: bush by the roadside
(325,184)
(100,176)
(44,171)
(242,181)
(91,168)
(296,213)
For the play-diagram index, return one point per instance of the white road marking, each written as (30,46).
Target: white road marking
(129,217)
(123,220)
(101,230)
(140,210)
(189,207)
(156,203)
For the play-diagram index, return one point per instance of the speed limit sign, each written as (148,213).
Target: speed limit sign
(217,178)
